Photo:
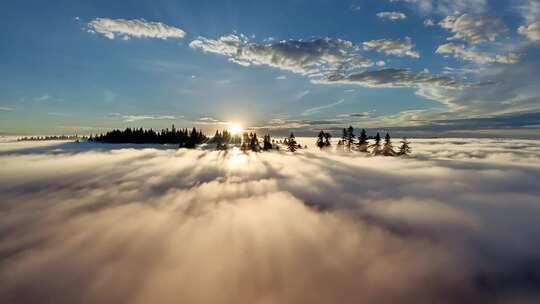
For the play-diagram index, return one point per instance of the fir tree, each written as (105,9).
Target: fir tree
(245,142)
(350,137)
(377,145)
(267,143)
(291,143)
(388,149)
(327,137)
(404,149)
(321,140)
(344,134)
(363,141)
(254,143)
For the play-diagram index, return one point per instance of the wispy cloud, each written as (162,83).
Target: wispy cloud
(392,16)
(309,57)
(473,29)
(6,109)
(394,47)
(462,52)
(301,94)
(315,110)
(41,98)
(132,118)
(138,28)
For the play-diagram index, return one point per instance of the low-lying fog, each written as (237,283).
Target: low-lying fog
(457,222)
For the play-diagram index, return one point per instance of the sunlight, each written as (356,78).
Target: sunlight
(235,129)
(236,159)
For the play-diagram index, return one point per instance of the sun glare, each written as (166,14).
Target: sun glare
(236,129)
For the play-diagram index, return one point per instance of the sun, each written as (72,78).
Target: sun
(235,129)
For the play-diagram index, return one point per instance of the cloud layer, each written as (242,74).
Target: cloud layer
(473,29)
(310,57)
(136,28)
(392,47)
(111,224)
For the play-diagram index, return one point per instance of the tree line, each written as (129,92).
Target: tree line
(184,138)
(222,140)
(349,142)
(51,137)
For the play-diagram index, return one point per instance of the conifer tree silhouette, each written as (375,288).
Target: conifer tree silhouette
(321,140)
(388,149)
(291,143)
(377,145)
(350,137)
(327,137)
(267,143)
(363,141)
(254,143)
(344,136)
(405,148)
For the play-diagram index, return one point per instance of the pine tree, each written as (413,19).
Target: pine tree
(267,143)
(404,149)
(291,144)
(350,137)
(327,137)
(377,145)
(363,141)
(254,143)
(321,140)
(388,149)
(245,141)
(344,135)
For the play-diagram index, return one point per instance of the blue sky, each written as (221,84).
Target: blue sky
(85,66)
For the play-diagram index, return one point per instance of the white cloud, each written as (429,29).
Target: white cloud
(306,57)
(138,28)
(152,225)
(392,78)
(281,77)
(529,9)
(447,7)
(392,16)
(429,23)
(6,109)
(301,94)
(356,7)
(392,47)
(318,109)
(473,29)
(509,88)
(461,52)
(531,31)
(132,118)
(42,98)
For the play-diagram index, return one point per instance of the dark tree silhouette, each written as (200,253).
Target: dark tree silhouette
(267,143)
(344,135)
(183,138)
(254,142)
(321,140)
(377,145)
(291,143)
(363,141)
(246,142)
(327,137)
(388,149)
(405,148)
(350,137)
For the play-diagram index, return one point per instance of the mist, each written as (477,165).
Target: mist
(457,222)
